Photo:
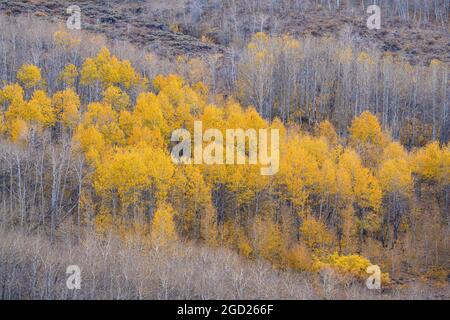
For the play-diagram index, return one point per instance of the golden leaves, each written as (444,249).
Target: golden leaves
(66,105)
(432,163)
(163,226)
(69,75)
(29,75)
(109,71)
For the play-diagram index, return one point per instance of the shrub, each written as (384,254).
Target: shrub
(354,265)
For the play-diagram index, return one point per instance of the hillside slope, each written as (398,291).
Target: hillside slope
(119,21)
(171,28)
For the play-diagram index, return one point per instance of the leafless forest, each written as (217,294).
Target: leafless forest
(86,176)
(32,268)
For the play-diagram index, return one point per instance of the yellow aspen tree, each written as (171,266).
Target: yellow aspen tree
(159,169)
(126,122)
(163,230)
(66,105)
(298,172)
(395,176)
(245,181)
(327,130)
(143,136)
(354,265)
(367,138)
(69,75)
(194,203)
(299,258)
(316,147)
(91,142)
(268,240)
(115,97)
(40,105)
(18,108)
(209,230)
(12,92)
(327,188)
(171,85)
(105,119)
(99,114)
(89,72)
(396,182)
(366,129)
(148,112)
(394,150)
(3,127)
(431,163)
(29,75)
(19,130)
(126,173)
(315,235)
(213,117)
(366,191)
(128,76)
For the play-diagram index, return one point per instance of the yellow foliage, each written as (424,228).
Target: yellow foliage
(29,75)
(365,187)
(129,166)
(69,75)
(208,226)
(395,176)
(315,234)
(268,240)
(141,135)
(115,97)
(66,105)
(19,130)
(11,93)
(354,265)
(3,126)
(99,114)
(148,112)
(40,106)
(132,171)
(160,170)
(66,40)
(109,70)
(246,181)
(91,142)
(298,170)
(126,122)
(299,258)
(163,226)
(89,72)
(104,223)
(244,245)
(195,201)
(394,150)
(327,130)
(366,129)
(234,237)
(432,163)
(20,109)
(316,147)
(328,183)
